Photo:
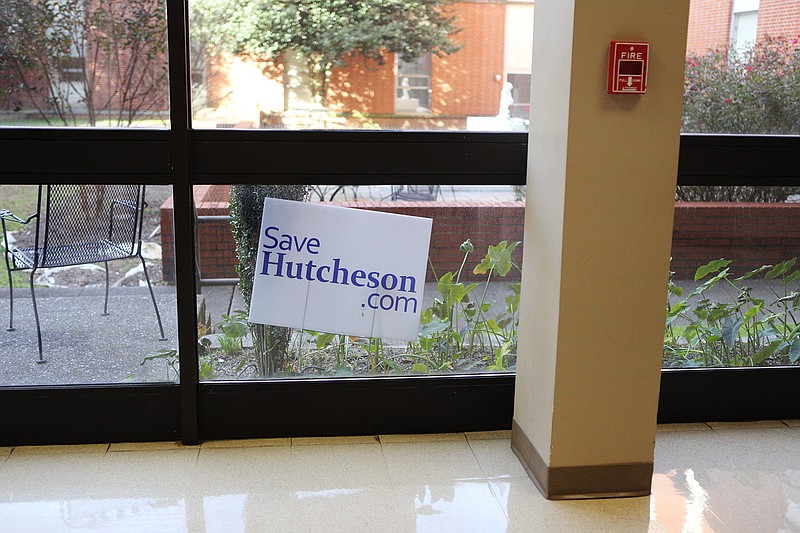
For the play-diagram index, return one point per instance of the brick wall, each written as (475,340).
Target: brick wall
(217,251)
(363,86)
(709,24)
(464,83)
(753,234)
(778,18)
(461,84)
(484,223)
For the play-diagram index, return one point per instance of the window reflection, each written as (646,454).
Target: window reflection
(79,63)
(101,303)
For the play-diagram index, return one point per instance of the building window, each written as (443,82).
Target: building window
(413,93)
(744,26)
(521,93)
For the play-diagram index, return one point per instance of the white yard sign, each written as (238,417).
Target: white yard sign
(340,270)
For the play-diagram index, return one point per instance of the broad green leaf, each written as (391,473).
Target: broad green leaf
(420,368)
(323,340)
(677,308)
(750,313)
(752,273)
(234,329)
(764,353)
(677,290)
(435,326)
(711,267)
(497,259)
(426,316)
(708,283)
(498,364)
(780,269)
(794,351)
(444,284)
(794,276)
(730,331)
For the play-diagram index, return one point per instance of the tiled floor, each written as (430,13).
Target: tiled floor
(718,477)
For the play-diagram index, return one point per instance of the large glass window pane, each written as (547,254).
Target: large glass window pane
(468,312)
(394,65)
(734,297)
(83,63)
(75,244)
(743,68)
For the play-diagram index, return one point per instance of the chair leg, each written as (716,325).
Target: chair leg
(10,302)
(153,297)
(105,302)
(36,316)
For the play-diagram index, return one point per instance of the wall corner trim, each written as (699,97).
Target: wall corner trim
(580,482)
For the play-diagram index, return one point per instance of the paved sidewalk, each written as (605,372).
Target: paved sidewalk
(80,345)
(83,347)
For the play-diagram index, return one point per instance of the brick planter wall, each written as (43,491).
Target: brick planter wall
(486,223)
(217,252)
(753,234)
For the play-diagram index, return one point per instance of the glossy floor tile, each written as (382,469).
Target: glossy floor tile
(707,478)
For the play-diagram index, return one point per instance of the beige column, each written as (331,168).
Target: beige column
(601,183)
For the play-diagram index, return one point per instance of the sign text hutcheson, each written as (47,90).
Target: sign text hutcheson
(340,270)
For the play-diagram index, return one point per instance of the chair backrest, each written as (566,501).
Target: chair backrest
(420,193)
(80,223)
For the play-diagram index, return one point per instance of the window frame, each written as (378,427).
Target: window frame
(192,411)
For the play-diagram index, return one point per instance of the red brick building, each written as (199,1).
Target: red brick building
(433,93)
(715,23)
(440,92)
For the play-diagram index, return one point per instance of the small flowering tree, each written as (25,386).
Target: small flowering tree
(755,92)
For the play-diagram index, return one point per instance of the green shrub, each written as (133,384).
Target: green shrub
(247,205)
(751,92)
(739,329)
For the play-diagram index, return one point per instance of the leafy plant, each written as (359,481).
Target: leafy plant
(750,92)
(456,327)
(271,343)
(741,330)
(234,328)
(170,357)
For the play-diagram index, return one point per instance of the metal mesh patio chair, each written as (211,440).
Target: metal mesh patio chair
(420,193)
(77,225)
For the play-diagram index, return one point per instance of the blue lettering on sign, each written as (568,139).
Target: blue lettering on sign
(275,263)
(287,242)
(387,302)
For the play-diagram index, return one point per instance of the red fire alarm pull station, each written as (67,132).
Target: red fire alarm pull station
(627,67)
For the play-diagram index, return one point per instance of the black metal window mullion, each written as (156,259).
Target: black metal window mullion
(180,162)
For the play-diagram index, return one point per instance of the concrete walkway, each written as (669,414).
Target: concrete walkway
(80,345)
(83,347)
